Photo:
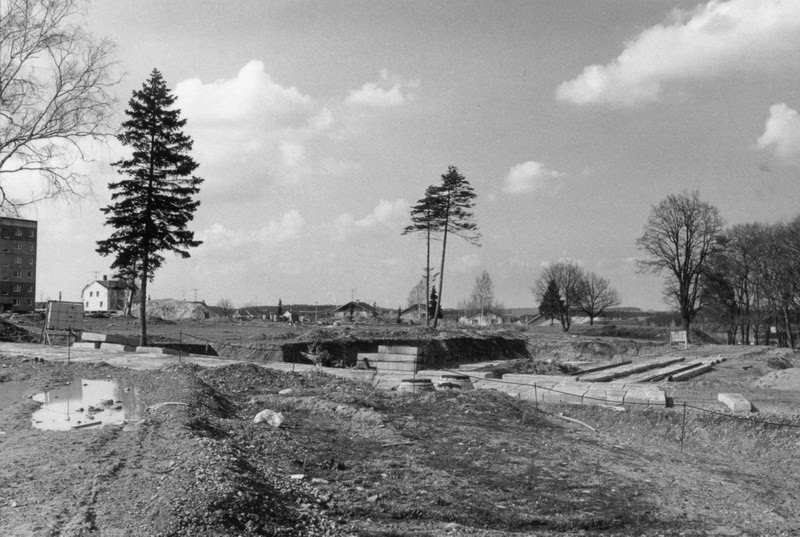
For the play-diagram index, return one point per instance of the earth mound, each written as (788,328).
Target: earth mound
(176,310)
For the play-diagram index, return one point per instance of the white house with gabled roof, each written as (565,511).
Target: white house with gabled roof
(105,295)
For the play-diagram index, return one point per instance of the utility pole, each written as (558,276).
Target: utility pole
(195,294)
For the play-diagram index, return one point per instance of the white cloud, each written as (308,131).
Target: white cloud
(376,95)
(528,177)
(289,226)
(249,127)
(466,263)
(782,133)
(386,214)
(217,236)
(715,39)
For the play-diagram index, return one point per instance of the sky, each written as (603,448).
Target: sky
(317,124)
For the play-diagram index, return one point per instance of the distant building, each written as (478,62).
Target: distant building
(105,295)
(487,319)
(17,264)
(413,314)
(355,309)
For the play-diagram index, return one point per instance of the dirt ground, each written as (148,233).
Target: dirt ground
(350,459)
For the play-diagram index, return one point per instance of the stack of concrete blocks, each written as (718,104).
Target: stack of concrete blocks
(394,358)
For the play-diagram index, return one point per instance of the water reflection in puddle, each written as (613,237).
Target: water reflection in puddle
(87,403)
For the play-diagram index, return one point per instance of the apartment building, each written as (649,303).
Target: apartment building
(18,239)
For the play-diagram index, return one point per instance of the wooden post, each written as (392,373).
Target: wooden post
(683,425)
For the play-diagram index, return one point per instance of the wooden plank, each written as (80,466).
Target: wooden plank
(630,369)
(597,367)
(686,375)
(662,372)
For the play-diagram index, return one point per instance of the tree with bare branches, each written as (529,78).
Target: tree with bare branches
(681,235)
(55,82)
(598,295)
(226,307)
(568,278)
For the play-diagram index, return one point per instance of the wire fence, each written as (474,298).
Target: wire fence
(685,404)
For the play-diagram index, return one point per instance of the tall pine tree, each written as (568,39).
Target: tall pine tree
(551,304)
(456,198)
(426,218)
(152,205)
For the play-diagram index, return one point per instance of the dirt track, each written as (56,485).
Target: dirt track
(374,462)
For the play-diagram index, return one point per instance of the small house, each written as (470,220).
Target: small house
(413,314)
(105,295)
(355,310)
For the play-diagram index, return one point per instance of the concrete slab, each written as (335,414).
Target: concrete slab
(645,396)
(394,366)
(566,393)
(109,338)
(86,345)
(615,396)
(117,347)
(156,350)
(536,379)
(399,349)
(735,401)
(596,395)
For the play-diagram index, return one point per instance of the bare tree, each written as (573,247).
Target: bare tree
(597,296)
(419,296)
(54,92)
(569,279)
(482,298)
(681,234)
(226,306)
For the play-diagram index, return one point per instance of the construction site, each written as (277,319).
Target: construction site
(256,428)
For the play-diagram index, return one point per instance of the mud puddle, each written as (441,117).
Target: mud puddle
(85,403)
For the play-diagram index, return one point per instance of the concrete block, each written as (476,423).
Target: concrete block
(615,396)
(536,379)
(566,393)
(86,345)
(399,349)
(735,401)
(156,350)
(117,347)
(595,395)
(383,357)
(645,396)
(109,338)
(393,366)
